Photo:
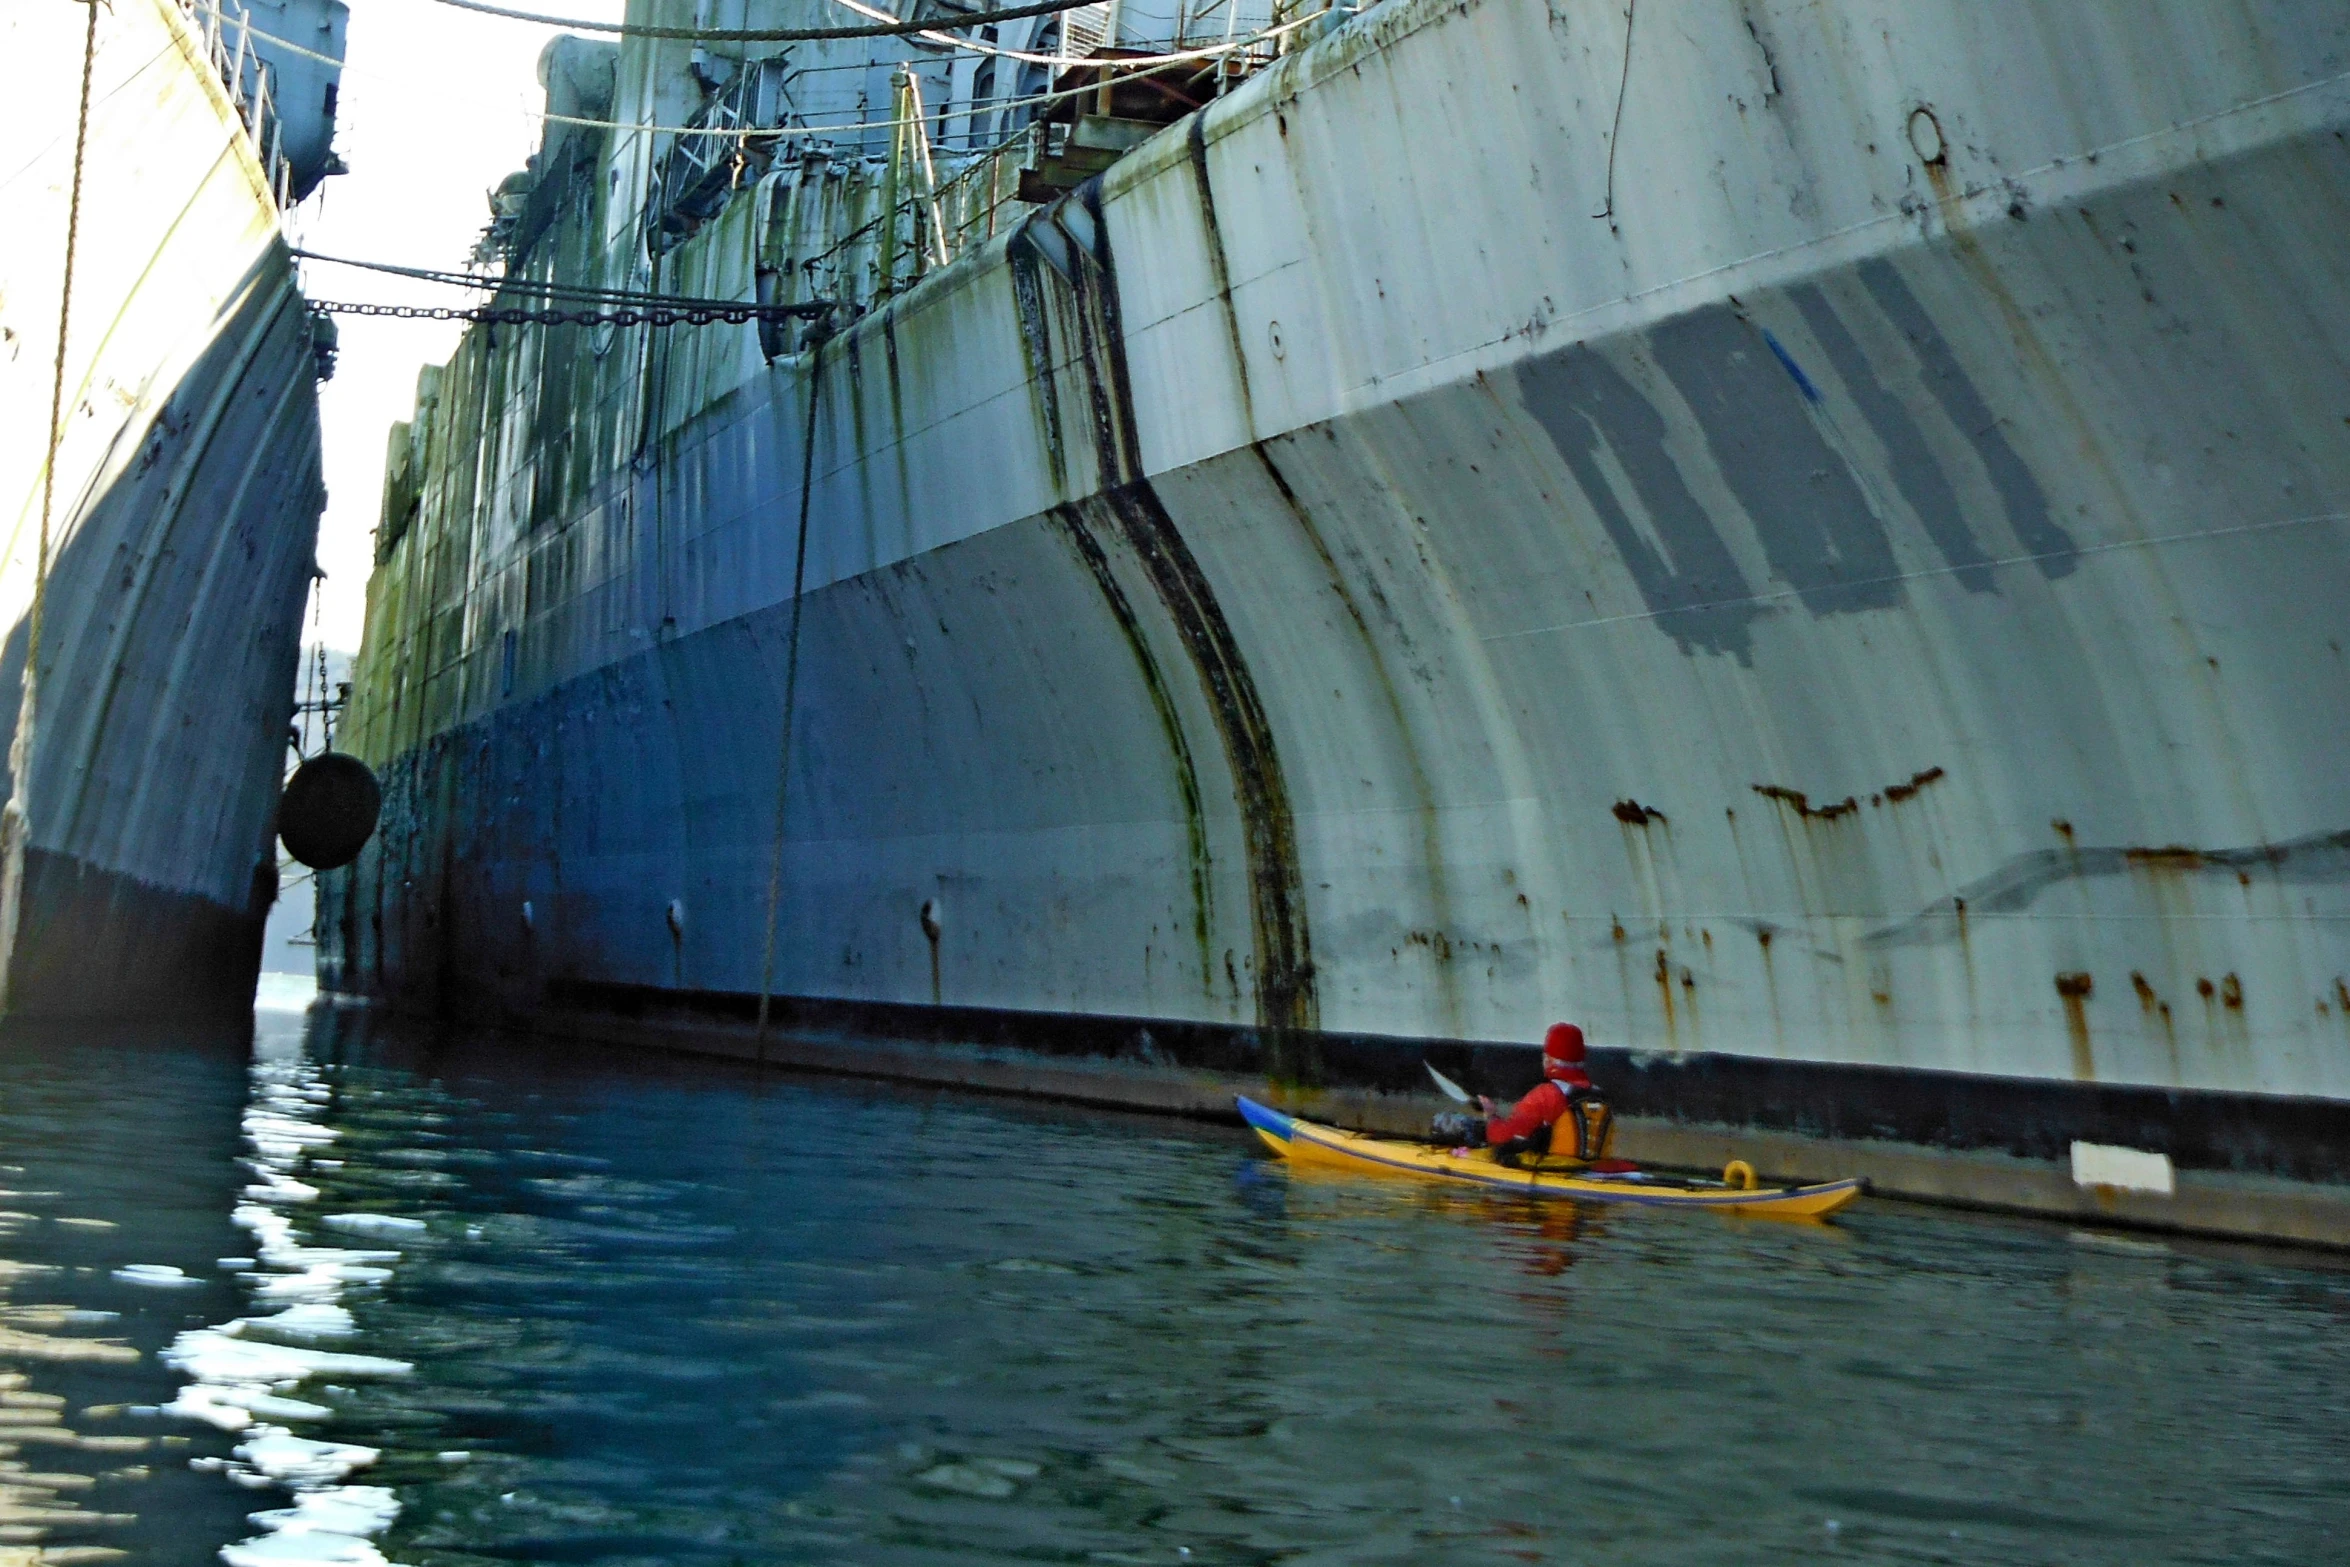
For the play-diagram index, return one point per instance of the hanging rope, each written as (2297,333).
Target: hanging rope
(791,698)
(29,707)
(1608,212)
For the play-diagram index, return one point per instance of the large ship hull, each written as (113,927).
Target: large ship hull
(184,508)
(1818,552)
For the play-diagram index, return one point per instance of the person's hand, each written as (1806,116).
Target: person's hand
(1488,1106)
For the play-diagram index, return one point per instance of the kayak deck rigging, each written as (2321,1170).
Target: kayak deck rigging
(1310,1142)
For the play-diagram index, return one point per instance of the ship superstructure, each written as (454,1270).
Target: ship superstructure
(1809,538)
(184,502)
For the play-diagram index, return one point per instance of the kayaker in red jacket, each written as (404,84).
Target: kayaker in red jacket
(1524,1127)
(1563,1081)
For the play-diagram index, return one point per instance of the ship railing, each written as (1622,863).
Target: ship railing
(933,206)
(936,206)
(1087,28)
(714,157)
(228,42)
(971,202)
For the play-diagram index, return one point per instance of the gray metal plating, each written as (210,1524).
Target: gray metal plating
(1876,596)
(186,513)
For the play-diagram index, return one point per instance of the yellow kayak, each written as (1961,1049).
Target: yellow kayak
(1309,1142)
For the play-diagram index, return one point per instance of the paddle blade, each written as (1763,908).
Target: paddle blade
(1448,1087)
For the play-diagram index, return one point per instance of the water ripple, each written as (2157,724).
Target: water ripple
(499,1302)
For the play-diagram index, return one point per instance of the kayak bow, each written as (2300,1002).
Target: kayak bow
(1310,1142)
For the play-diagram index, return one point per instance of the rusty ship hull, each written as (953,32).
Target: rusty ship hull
(141,782)
(1812,542)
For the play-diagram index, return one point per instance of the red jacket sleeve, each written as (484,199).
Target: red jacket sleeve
(1538,1109)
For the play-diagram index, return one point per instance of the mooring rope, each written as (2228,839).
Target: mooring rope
(791,697)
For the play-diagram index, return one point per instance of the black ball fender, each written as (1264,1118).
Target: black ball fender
(328,810)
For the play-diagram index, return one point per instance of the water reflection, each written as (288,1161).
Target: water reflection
(116,1158)
(512,1302)
(249,1375)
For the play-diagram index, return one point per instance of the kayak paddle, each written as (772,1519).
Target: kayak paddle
(1452,1090)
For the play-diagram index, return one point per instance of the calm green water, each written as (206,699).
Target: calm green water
(610,1309)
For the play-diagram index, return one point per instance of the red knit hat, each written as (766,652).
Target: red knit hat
(1562,1055)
